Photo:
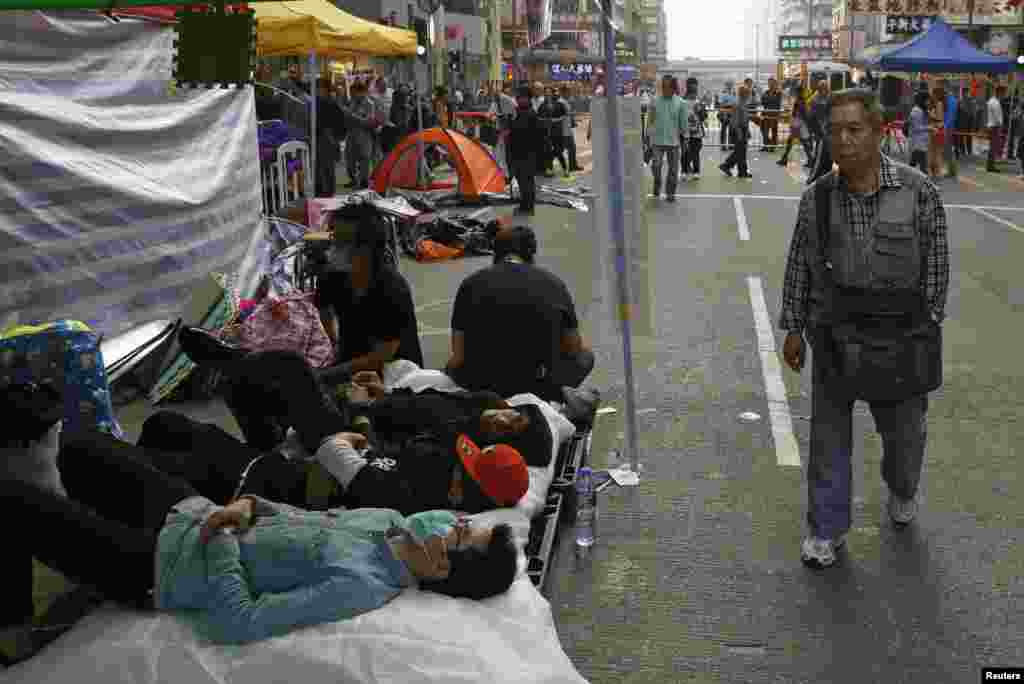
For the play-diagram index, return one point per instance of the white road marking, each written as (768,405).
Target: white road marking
(741,219)
(993,217)
(787,451)
(796,198)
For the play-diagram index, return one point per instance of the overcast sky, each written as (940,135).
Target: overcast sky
(705,29)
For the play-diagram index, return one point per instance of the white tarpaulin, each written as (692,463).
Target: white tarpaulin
(116,194)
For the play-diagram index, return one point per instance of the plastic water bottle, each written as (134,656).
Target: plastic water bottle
(586,508)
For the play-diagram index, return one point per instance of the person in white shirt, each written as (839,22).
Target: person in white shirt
(504,110)
(994,123)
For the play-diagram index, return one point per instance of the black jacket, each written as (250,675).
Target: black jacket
(411,469)
(526,137)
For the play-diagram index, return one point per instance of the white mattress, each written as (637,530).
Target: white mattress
(407,375)
(419,638)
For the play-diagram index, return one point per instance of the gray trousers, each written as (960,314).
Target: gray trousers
(672,152)
(902,426)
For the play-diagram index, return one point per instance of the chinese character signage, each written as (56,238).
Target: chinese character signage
(907,24)
(805,43)
(572,72)
(915,8)
(626,48)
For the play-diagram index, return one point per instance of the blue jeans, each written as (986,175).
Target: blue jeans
(672,173)
(902,426)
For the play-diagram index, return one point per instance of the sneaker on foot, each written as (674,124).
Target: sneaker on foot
(902,511)
(782,162)
(820,553)
(725,169)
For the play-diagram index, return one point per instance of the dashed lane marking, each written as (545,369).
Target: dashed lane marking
(741,219)
(787,452)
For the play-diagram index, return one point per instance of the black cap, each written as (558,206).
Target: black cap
(29,410)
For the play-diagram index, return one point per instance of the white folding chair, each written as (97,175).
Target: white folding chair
(300,150)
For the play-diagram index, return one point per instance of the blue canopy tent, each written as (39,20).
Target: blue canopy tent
(941,49)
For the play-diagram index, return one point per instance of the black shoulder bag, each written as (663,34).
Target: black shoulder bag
(877,356)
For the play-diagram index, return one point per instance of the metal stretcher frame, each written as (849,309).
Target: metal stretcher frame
(545,527)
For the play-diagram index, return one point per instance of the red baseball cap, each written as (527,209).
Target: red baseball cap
(499,470)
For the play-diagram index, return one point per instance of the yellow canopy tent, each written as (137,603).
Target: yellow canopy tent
(319,29)
(301,27)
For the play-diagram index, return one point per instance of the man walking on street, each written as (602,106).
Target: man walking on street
(949,122)
(525,140)
(668,120)
(820,120)
(771,104)
(362,120)
(866,279)
(740,136)
(994,124)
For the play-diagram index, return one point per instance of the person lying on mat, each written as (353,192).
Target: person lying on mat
(420,475)
(276,390)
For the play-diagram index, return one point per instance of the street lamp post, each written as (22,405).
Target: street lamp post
(757,51)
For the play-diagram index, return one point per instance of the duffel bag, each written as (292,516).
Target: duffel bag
(66,355)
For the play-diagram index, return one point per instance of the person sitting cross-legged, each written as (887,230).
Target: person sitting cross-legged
(514,326)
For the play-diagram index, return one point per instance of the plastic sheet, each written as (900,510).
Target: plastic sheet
(116,194)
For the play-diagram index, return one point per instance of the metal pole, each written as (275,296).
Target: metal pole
(810,17)
(757,51)
(970,21)
(314,74)
(616,205)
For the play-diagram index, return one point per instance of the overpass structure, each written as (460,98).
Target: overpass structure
(718,67)
(714,73)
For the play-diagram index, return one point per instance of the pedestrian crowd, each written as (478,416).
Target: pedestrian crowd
(371,118)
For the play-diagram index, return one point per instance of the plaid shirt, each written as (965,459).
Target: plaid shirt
(860,211)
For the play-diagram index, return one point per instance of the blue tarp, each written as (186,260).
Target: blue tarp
(941,49)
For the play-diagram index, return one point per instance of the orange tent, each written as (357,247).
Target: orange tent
(477,170)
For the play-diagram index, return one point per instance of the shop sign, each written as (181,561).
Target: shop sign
(572,72)
(907,24)
(798,44)
(947,8)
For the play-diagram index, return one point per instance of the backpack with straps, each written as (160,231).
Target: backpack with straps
(876,356)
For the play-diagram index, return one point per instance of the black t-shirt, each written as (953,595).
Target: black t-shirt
(409,478)
(513,317)
(403,415)
(385,312)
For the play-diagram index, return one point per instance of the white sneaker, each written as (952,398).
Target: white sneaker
(902,511)
(820,553)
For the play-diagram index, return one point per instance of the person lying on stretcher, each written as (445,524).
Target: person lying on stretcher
(438,466)
(246,571)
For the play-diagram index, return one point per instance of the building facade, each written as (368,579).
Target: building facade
(803,17)
(759,30)
(652,31)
